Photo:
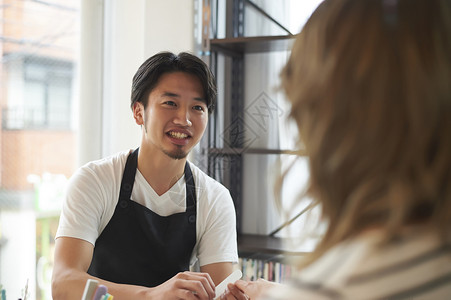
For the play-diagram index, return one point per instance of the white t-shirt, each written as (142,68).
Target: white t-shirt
(93,193)
(415,267)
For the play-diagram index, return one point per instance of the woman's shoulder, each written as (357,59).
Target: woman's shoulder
(364,267)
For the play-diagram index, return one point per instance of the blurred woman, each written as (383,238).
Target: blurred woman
(369,82)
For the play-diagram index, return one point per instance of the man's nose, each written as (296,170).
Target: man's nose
(182,117)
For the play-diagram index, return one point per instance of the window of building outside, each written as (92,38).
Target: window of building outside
(38,86)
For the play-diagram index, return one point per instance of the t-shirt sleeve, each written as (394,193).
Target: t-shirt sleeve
(218,242)
(83,206)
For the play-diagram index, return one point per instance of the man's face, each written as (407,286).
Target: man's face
(176,115)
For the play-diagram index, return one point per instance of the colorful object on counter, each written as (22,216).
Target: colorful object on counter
(95,291)
(107,297)
(100,292)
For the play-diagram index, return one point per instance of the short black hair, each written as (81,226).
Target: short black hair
(148,74)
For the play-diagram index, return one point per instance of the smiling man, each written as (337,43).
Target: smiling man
(137,220)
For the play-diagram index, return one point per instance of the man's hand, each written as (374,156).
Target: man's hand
(247,290)
(185,285)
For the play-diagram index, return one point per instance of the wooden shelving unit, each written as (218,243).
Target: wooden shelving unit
(235,46)
(241,151)
(257,44)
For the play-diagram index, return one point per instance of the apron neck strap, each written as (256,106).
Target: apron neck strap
(128,179)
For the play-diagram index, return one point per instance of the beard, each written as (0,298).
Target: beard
(176,154)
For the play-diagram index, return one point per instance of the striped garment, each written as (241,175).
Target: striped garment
(417,266)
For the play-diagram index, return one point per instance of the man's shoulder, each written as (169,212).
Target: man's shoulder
(104,168)
(116,160)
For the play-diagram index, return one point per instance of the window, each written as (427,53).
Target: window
(47,93)
(38,51)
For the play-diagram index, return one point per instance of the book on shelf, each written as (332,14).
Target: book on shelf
(275,271)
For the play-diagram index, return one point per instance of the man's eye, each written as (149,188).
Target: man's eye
(199,107)
(171,103)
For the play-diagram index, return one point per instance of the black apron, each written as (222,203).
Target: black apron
(141,247)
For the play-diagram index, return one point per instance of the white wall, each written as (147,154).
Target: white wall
(112,51)
(90,81)
(124,36)
(169,25)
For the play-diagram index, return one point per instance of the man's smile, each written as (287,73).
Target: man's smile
(177,135)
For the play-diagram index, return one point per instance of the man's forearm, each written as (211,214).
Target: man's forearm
(70,284)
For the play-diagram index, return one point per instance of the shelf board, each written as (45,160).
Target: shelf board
(252,44)
(240,151)
(263,244)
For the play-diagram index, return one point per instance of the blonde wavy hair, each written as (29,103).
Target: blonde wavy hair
(370,87)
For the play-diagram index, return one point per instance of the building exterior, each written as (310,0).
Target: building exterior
(38,91)
(38,51)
